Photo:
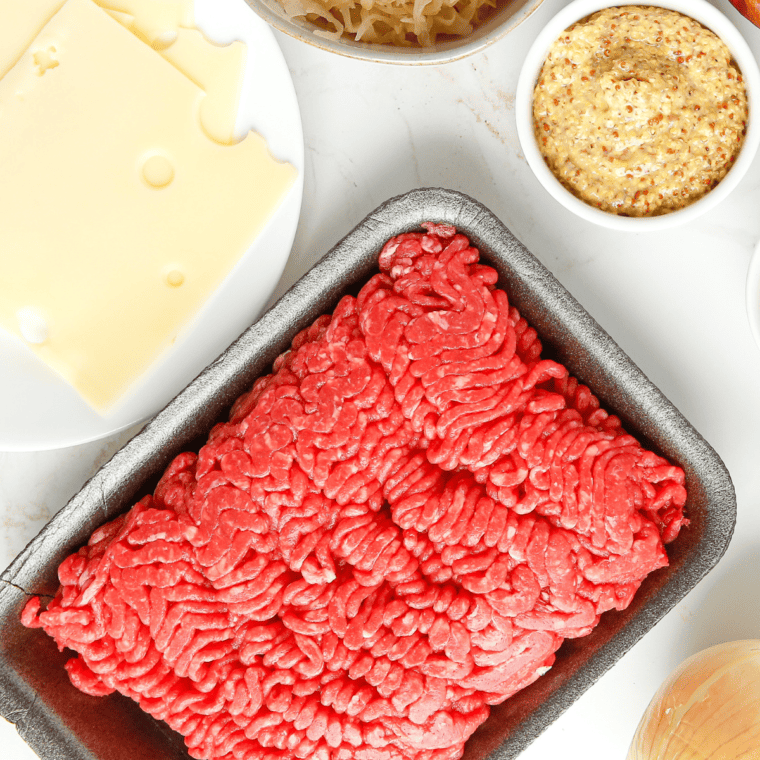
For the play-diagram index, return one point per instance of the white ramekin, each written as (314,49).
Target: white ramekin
(708,16)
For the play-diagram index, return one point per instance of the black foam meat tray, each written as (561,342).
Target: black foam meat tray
(59,722)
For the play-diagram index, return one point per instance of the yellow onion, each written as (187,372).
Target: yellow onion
(707,709)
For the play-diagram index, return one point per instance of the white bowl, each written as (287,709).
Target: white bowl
(753,294)
(509,15)
(708,16)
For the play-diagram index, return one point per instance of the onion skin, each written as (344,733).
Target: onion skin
(707,709)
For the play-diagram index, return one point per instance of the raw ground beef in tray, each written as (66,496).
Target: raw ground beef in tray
(395,529)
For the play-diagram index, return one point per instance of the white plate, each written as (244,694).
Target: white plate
(40,411)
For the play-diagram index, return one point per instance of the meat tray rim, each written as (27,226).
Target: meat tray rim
(58,722)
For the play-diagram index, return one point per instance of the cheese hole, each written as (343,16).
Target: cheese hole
(157,171)
(175,278)
(32,325)
(164,40)
(45,60)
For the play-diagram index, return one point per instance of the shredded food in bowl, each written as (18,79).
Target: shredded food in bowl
(391,22)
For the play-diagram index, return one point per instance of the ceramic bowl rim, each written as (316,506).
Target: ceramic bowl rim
(492,30)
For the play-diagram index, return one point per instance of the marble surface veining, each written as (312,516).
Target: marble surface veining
(674,301)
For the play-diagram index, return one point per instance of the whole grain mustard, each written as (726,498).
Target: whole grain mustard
(639,110)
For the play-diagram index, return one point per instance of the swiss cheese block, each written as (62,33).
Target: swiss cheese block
(154,18)
(118,215)
(216,69)
(20,23)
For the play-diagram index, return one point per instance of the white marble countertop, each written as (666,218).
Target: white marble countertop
(674,301)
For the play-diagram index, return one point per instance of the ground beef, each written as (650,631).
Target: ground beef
(395,529)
